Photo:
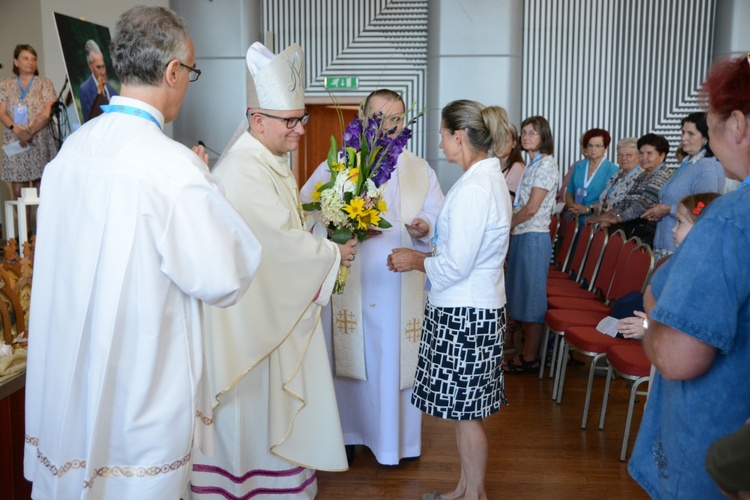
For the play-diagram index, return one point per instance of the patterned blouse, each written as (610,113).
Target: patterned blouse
(28,166)
(617,187)
(644,194)
(543,174)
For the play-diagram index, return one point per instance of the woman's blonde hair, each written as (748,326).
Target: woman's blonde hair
(486,127)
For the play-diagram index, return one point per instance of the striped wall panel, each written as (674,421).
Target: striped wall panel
(628,66)
(382,42)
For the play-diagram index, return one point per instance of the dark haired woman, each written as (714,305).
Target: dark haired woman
(699,172)
(652,152)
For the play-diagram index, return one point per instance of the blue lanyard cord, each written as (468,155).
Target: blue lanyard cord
(130,110)
(516,200)
(22,90)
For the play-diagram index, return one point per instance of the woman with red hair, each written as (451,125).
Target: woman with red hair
(590,175)
(697,333)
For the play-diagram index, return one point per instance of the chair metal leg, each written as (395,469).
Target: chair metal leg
(555,354)
(561,370)
(628,420)
(592,371)
(543,351)
(606,396)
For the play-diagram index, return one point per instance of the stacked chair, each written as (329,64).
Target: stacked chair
(634,265)
(598,273)
(574,264)
(580,291)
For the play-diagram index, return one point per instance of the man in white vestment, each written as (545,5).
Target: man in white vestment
(134,233)
(275,410)
(384,310)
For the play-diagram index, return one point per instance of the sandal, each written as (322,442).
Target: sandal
(524,367)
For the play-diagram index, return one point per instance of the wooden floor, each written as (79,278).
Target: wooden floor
(537,450)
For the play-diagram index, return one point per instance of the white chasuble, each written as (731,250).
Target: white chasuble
(275,329)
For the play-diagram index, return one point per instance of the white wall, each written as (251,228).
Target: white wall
(731,36)
(475,52)
(19,23)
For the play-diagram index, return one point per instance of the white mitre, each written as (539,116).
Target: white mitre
(277,82)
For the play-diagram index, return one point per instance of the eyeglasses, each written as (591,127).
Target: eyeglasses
(290,122)
(195,73)
(529,133)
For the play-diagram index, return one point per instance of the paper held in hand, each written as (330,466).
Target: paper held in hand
(608,326)
(14,148)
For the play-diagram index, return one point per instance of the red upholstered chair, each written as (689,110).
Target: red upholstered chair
(576,262)
(615,244)
(630,363)
(557,321)
(554,224)
(562,254)
(586,341)
(640,266)
(604,273)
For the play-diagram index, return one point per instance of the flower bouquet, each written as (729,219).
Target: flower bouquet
(351,202)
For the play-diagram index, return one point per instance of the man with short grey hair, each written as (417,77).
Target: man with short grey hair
(95,91)
(134,235)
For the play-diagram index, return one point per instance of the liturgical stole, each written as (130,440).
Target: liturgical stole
(348,335)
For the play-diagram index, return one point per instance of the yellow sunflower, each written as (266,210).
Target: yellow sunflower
(355,208)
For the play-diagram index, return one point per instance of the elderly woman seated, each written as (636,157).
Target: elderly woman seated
(652,151)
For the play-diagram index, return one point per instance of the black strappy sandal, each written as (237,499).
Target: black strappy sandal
(524,367)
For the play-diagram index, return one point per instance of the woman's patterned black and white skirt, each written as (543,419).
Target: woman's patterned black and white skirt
(459,372)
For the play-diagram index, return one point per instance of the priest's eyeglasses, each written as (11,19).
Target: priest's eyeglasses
(195,73)
(290,122)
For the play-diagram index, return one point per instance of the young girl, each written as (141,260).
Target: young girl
(688,210)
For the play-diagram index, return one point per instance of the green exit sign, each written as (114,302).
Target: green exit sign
(342,82)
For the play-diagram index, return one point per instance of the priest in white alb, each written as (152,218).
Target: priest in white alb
(134,233)
(373,329)
(275,409)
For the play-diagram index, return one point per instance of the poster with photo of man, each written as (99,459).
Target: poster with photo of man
(85,48)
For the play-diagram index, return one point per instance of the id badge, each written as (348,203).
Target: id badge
(580,193)
(21,114)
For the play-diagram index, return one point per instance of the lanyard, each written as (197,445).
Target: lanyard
(517,199)
(586,178)
(130,110)
(22,90)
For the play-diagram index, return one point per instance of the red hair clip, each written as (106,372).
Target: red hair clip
(699,208)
